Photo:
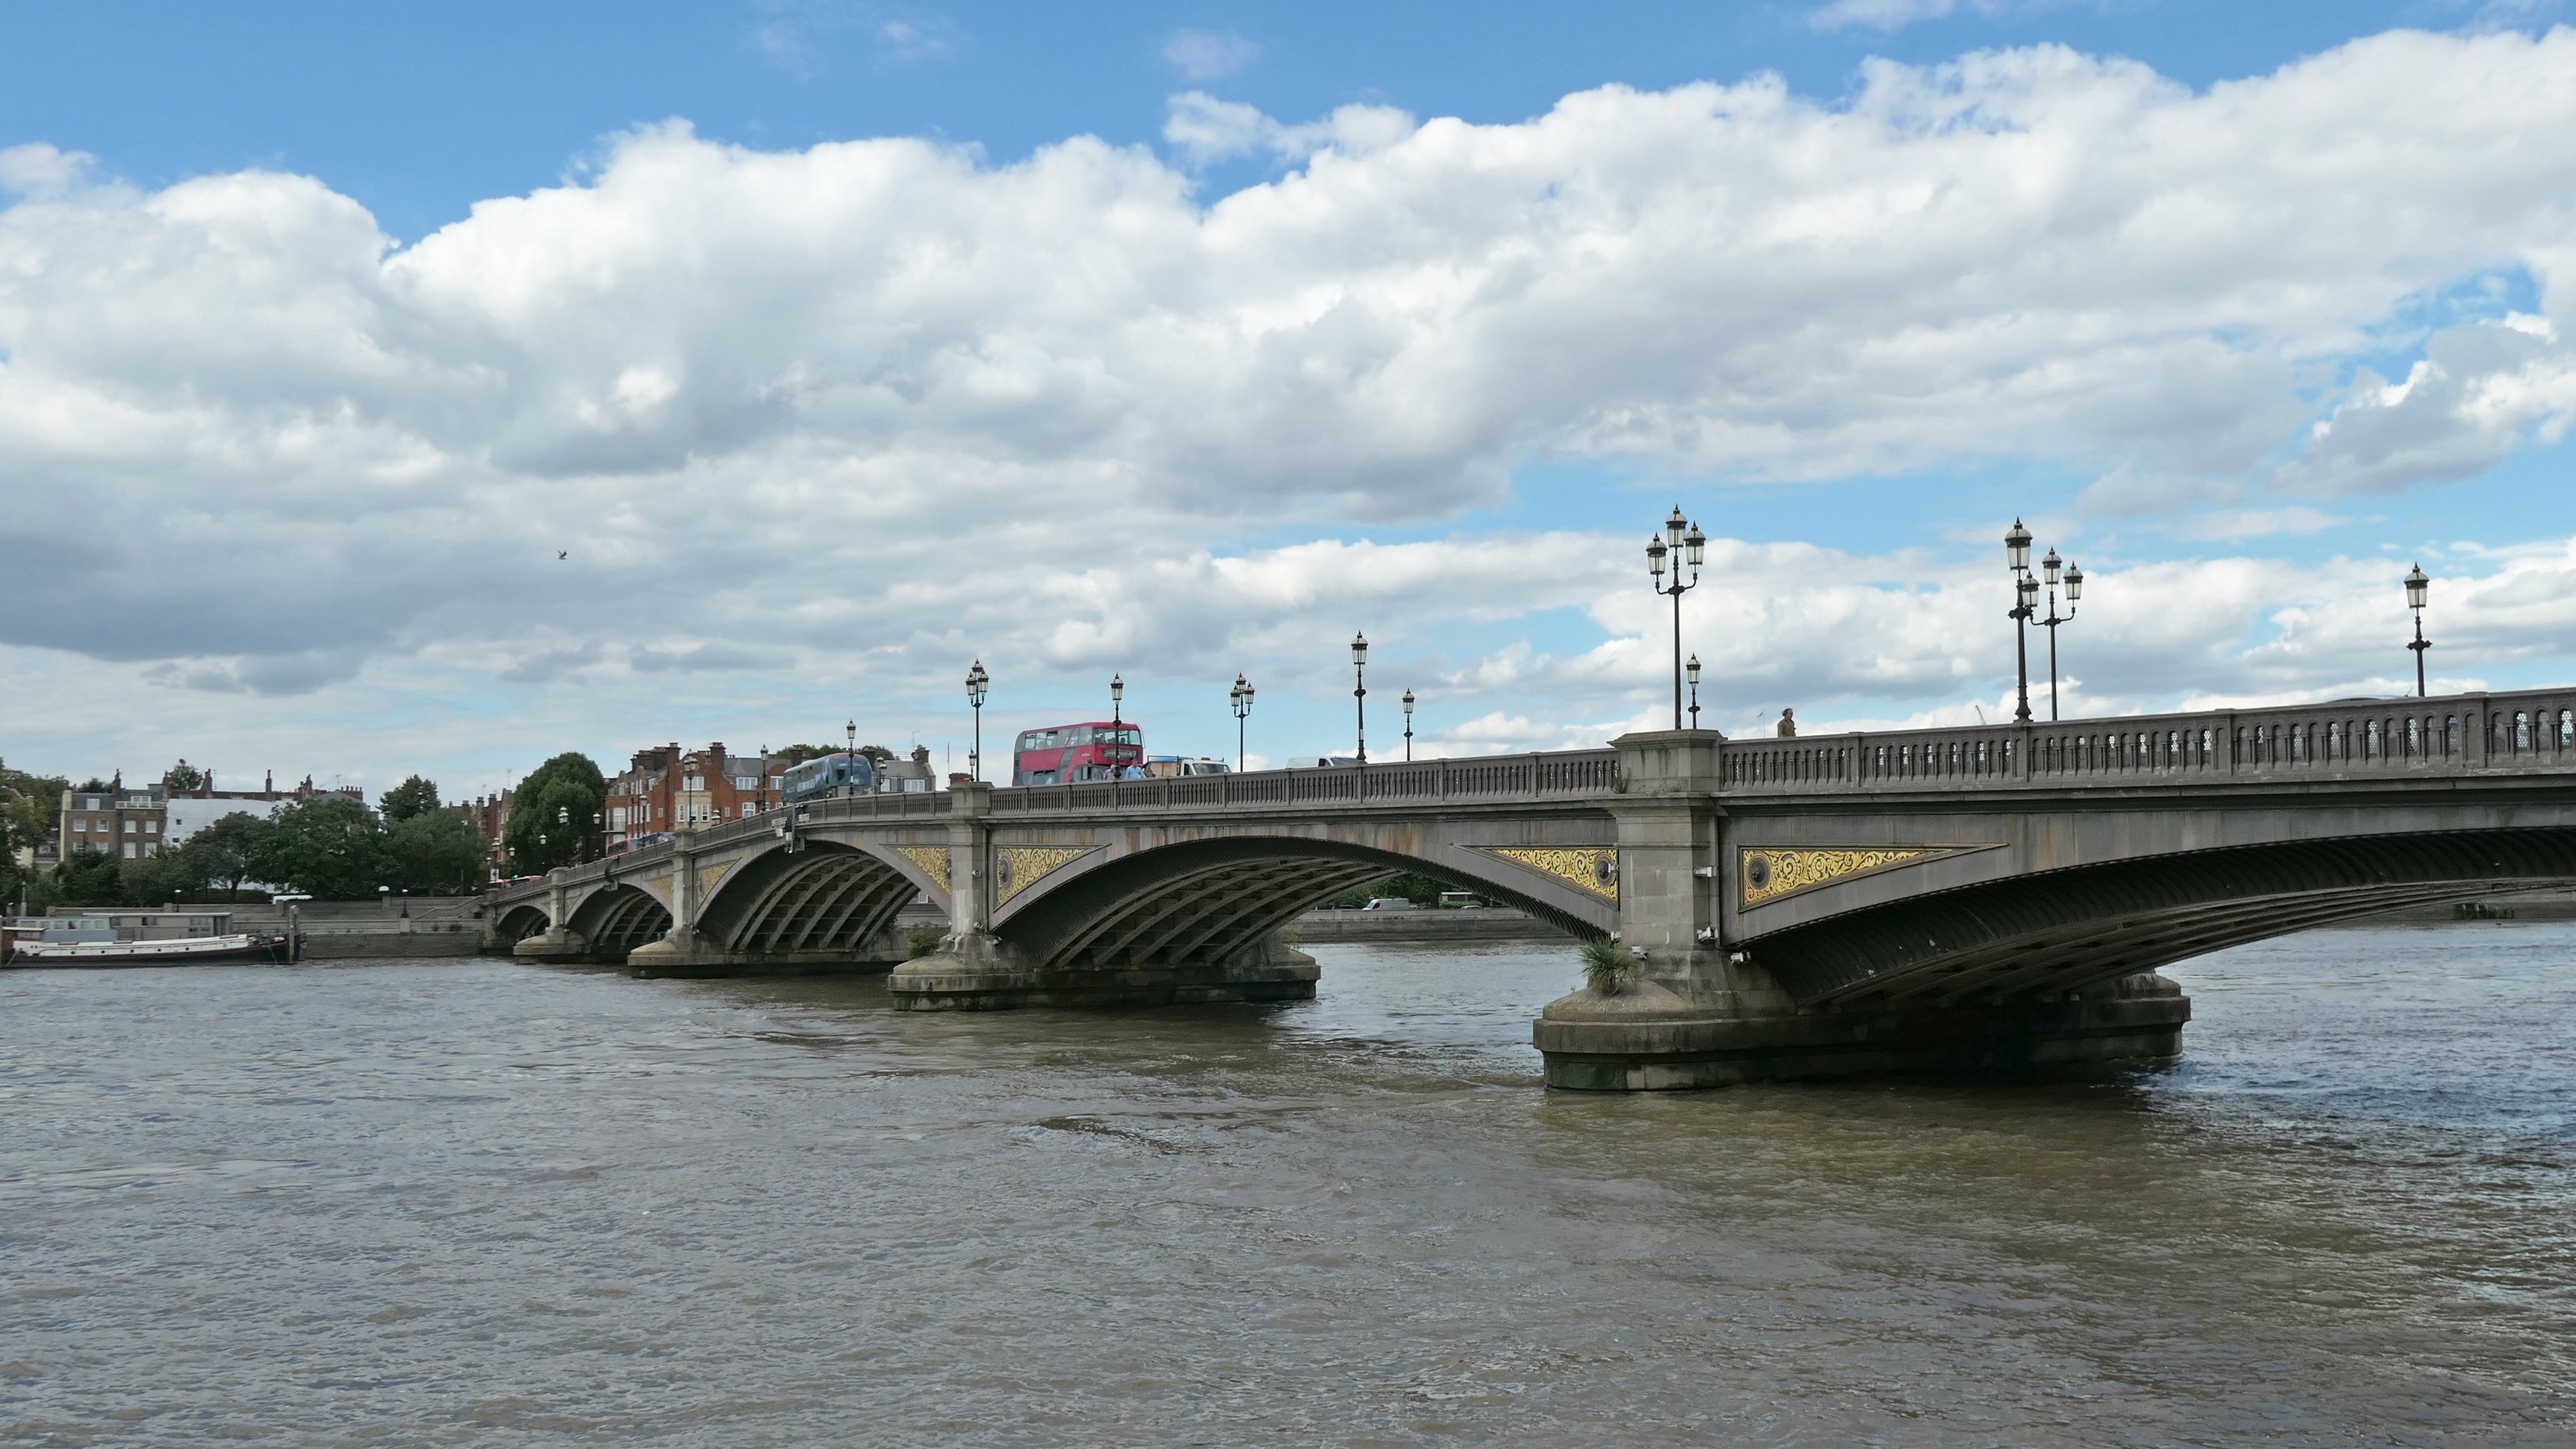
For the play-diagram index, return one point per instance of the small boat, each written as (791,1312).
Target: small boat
(180,951)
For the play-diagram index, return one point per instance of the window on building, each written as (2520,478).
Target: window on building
(129,850)
(151,827)
(80,827)
(617,818)
(749,810)
(692,782)
(746,782)
(129,829)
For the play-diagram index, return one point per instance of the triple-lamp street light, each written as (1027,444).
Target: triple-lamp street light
(1240,697)
(1682,538)
(2417,586)
(1408,727)
(2025,610)
(977,682)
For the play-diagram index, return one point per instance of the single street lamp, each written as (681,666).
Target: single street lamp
(1686,544)
(2417,586)
(2025,602)
(1359,689)
(2074,581)
(1693,669)
(1408,727)
(1240,697)
(1117,722)
(977,681)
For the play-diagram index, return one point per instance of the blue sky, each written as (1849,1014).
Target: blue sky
(201,366)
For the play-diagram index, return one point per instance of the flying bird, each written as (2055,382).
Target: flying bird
(563,553)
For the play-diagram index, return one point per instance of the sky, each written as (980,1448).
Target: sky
(434,388)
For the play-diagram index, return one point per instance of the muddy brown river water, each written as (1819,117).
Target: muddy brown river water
(473,1202)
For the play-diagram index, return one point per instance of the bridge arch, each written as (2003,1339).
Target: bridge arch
(618,919)
(820,896)
(1211,900)
(519,923)
(2046,933)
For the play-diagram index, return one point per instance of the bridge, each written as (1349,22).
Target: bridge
(1797,907)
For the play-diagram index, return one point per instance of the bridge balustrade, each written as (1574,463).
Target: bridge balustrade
(2360,737)
(1484,778)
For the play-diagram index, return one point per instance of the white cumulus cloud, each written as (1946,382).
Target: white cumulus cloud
(856,412)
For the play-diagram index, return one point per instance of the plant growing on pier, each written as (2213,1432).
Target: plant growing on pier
(922,940)
(1607,967)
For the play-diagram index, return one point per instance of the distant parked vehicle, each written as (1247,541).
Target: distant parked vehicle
(1461,901)
(1388,903)
(827,775)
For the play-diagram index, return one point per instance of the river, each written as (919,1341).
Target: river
(474,1202)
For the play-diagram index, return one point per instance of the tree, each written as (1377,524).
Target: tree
(90,878)
(412,797)
(877,753)
(559,804)
(161,878)
(438,852)
(222,852)
(95,783)
(183,777)
(330,848)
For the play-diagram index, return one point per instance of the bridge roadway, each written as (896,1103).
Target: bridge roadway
(1827,905)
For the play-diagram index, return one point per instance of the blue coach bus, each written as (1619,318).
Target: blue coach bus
(828,775)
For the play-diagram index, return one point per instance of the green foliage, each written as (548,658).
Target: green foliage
(922,940)
(1422,890)
(878,753)
(161,879)
(414,796)
(1607,966)
(330,848)
(438,852)
(95,783)
(554,809)
(222,853)
(184,776)
(90,878)
(31,810)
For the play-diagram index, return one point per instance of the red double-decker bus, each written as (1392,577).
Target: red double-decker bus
(1063,754)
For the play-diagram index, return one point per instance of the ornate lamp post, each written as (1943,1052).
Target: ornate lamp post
(1359,689)
(1408,727)
(1682,539)
(977,681)
(2417,586)
(2025,604)
(1693,668)
(1117,721)
(851,767)
(2074,581)
(1240,697)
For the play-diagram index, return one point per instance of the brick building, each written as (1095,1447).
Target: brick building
(122,822)
(490,816)
(665,789)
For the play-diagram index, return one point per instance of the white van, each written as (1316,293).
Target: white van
(1388,903)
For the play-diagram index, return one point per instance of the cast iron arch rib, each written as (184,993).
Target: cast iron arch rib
(2060,930)
(821,897)
(519,923)
(1206,900)
(619,919)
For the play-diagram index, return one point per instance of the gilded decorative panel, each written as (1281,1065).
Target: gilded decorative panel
(708,875)
(1593,869)
(1765,874)
(1018,867)
(932,859)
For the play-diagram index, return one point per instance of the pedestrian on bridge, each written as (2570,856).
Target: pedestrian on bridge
(1788,728)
